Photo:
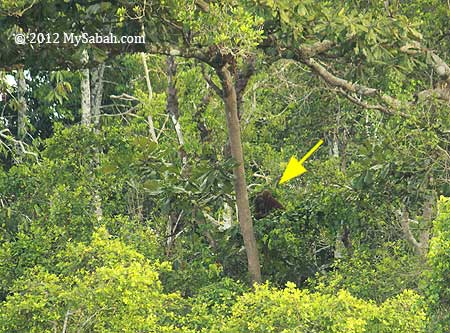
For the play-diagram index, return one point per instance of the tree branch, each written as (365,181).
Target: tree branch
(338,82)
(6,134)
(203,5)
(242,79)
(404,219)
(421,246)
(210,82)
(439,93)
(200,53)
(309,51)
(440,66)
(364,105)
(356,88)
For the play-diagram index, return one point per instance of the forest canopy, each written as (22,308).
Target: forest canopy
(142,145)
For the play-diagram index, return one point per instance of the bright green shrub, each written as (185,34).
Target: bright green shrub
(372,274)
(104,286)
(293,310)
(212,304)
(438,280)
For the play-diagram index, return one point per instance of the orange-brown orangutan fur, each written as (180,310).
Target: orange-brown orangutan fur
(265,203)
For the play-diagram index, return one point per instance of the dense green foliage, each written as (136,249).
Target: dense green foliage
(120,203)
(439,284)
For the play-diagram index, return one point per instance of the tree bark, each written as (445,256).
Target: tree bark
(240,185)
(96,91)
(85,98)
(91,100)
(172,107)
(22,105)
(151,126)
(243,77)
(419,245)
(173,111)
(198,117)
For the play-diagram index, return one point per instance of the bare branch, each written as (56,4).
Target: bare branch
(200,53)
(210,82)
(356,88)
(309,51)
(440,66)
(203,5)
(66,319)
(151,126)
(125,97)
(421,247)
(404,217)
(439,93)
(338,82)
(6,134)
(369,106)
(163,127)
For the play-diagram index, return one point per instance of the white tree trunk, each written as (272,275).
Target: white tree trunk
(85,98)
(151,126)
(22,105)
(91,100)
(96,91)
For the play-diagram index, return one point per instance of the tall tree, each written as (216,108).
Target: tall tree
(240,185)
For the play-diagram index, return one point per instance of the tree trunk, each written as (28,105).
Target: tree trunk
(91,100)
(85,98)
(243,77)
(22,105)
(240,186)
(174,113)
(96,91)
(172,107)
(343,242)
(151,126)
(419,245)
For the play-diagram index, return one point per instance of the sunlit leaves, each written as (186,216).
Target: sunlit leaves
(291,309)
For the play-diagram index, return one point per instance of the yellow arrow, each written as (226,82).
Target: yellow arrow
(295,167)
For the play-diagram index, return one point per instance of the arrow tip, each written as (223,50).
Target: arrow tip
(293,169)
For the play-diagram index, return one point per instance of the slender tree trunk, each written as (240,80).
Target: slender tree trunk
(420,244)
(174,113)
(22,105)
(91,100)
(96,90)
(198,117)
(343,240)
(240,185)
(85,97)
(242,80)
(151,126)
(172,107)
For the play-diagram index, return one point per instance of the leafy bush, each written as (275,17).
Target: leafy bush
(438,280)
(372,274)
(294,310)
(104,286)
